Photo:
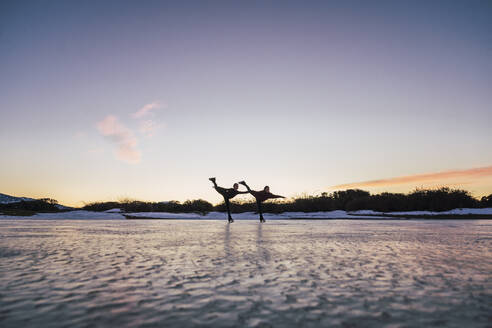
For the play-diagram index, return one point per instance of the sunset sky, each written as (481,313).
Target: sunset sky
(101,100)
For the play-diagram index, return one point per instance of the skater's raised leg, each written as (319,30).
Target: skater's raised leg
(213,181)
(244,184)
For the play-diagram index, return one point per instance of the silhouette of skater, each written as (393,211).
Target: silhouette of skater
(260,197)
(228,193)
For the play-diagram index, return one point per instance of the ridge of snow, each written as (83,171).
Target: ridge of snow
(114,210)
(70,215)
(456,211)
(249,215)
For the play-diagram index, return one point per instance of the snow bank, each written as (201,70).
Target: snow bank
(365,212)
(114,210)
(456,211)
(251,215)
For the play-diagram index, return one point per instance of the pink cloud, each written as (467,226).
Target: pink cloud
(468,174)
(145,110)
(122,137)
(148,127)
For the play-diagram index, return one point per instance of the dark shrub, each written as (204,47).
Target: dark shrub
(343,197)
(361,203)
(101,206)
(305,203)
(198,205)
(442,199)
(486,201)
(173,206)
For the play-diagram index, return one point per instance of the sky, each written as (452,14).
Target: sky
(104,100)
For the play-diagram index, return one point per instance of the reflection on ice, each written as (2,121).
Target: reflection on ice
(281,273)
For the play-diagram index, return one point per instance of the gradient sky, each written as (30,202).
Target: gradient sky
(101,100)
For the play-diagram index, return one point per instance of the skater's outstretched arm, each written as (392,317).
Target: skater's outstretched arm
(275,196)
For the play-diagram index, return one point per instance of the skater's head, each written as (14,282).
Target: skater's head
(266,189)
(235,186)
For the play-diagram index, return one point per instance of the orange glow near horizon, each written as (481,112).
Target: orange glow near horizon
(468,174)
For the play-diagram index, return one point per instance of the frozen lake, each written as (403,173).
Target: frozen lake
(345,273)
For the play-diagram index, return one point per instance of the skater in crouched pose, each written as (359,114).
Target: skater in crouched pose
(228,193)
(260,197)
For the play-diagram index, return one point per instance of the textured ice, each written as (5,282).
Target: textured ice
(183,273)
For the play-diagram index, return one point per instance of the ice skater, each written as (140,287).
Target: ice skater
(260,197)
(228,193)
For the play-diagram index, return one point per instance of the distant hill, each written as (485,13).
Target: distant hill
(7,199)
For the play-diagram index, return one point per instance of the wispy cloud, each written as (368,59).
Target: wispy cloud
(148,127)
(122,137)
(146,110)
(468,173)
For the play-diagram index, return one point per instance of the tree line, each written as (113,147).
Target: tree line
(441,199)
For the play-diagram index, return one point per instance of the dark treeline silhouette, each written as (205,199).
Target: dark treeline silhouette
(486,201)
(442,199)
(197,205)
(38,205)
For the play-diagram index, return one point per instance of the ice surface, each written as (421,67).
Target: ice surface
(116,213)
(183,273)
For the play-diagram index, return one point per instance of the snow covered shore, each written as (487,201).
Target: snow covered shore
(249,215)
(70,215)
(456,211)
(117,214)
